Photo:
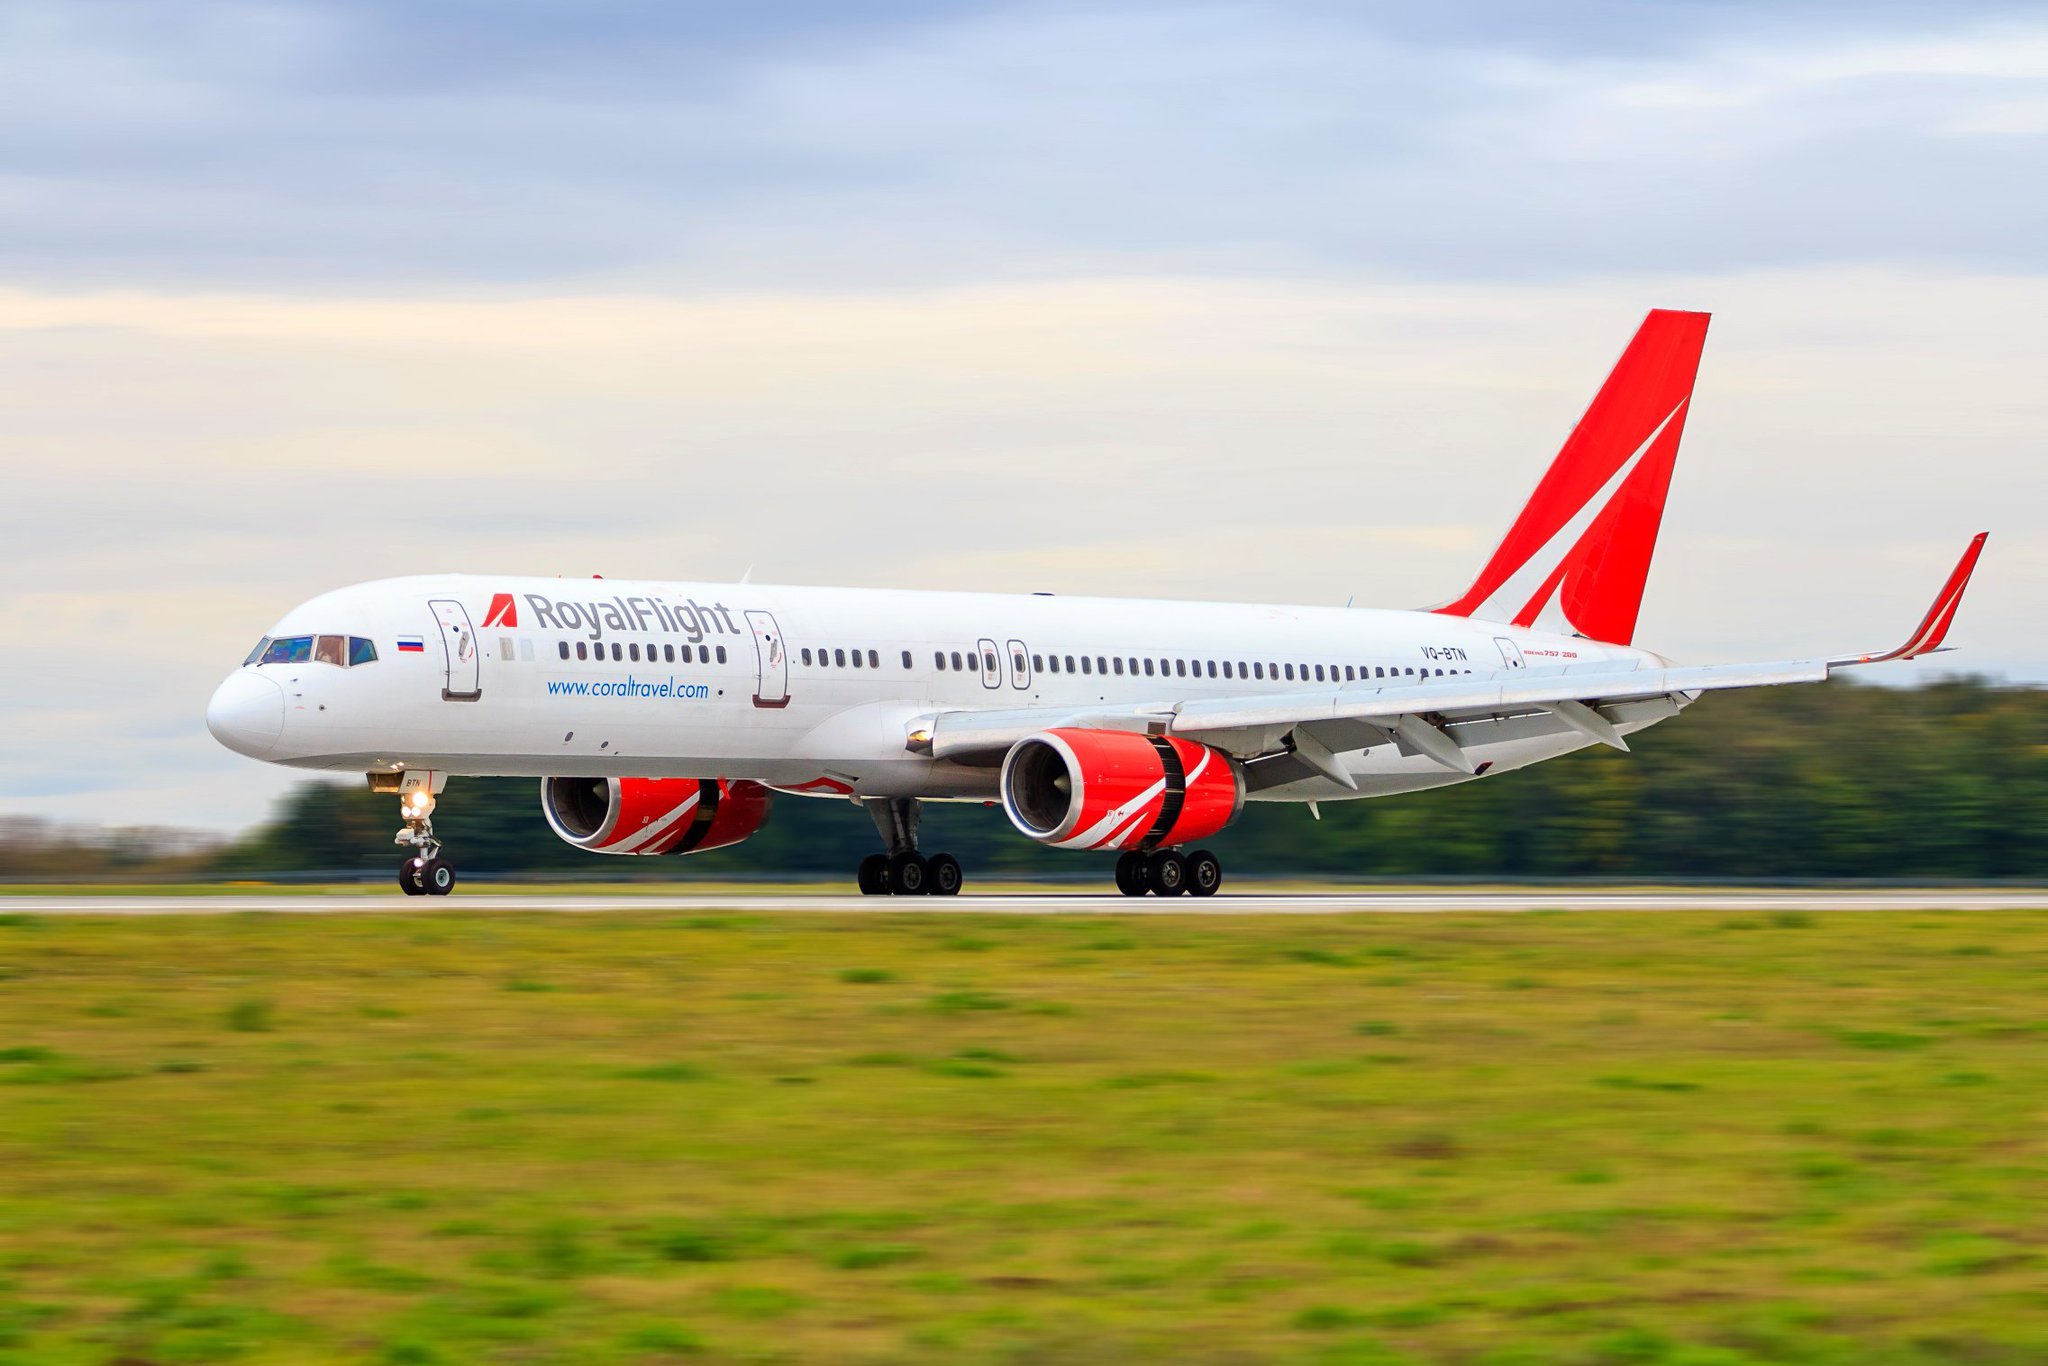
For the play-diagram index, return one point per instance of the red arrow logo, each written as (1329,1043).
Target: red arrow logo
(503,612)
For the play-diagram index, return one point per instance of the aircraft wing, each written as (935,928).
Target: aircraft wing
(1422,716)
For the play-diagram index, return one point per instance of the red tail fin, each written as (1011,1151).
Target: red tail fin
(1581,549)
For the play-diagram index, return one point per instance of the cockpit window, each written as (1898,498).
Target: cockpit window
(341,651)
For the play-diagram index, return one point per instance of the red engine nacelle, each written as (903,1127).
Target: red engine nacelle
(1110,789)
(653,815)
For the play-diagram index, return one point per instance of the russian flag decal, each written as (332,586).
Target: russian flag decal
(411,645)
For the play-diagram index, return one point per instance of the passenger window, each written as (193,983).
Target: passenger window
(1101,665)
(1119,664)
(362,651)
(906,659)
(1134,668)
(856,659)
(618,652)
(633,652)
(874,659)
(1148,668)
(806,656)
(1037,664)
(939,660)
(988,661)
(721,654)
(1290,673)
(1259,671)
(581,650)
(1180,669)
(668,653)
(1052,663)
(1226,668)
(1070,663)
(1084,665)
(957,665)
(565,648)
(839,658)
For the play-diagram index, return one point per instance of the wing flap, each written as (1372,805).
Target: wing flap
(966,736)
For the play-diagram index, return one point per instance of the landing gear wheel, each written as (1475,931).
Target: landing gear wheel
(439,877)
(1169,873)
(943,875)
(873,875)
(907,875)
(1205,873)
(1133,873)
(410,880)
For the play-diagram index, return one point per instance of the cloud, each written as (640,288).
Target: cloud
(371,146)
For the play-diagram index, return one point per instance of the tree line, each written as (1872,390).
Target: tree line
(1949,780)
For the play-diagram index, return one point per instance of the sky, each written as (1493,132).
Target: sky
(1280,302)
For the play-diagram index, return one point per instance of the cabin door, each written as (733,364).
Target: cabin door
(771,661)
(458,651)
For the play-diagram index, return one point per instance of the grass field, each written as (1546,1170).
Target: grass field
(1599,1138)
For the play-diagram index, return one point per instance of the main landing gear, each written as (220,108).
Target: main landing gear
(903,871)
(1168,872)
(426,873)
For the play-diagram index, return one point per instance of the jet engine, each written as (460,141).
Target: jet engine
(653,815)
(1108,789)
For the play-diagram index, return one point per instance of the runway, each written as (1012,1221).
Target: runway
(1251,901)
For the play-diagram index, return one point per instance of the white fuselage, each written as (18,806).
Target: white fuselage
(721,680)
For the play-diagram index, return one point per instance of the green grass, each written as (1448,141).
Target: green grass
(1574,1138)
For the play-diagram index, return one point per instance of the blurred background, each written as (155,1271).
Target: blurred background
(1946,783)
(1283,302)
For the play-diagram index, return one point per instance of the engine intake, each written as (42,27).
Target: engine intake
(1110,789)
(653,815)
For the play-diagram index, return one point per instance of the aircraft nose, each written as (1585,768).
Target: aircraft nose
(247,713)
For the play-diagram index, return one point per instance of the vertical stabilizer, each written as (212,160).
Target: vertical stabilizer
(1578,554)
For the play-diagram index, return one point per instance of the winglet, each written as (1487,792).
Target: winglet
(1933,628)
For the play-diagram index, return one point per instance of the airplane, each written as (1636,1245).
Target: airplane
(662,718)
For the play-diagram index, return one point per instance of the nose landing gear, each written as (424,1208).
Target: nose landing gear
(426,873)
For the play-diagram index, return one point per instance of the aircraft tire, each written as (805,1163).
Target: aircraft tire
(944,879)
(1133,873)
(439,877)
(409,880)
(1169,873)
(1205,873)
(908,875)
(872,876)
